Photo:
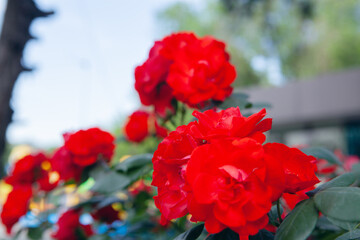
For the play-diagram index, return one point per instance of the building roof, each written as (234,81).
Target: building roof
(325,99)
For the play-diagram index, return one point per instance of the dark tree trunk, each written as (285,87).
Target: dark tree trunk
(14,36)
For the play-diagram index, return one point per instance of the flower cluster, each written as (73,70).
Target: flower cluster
(219,170)
(37,172)
(186,68)
(81,149)
(30,173)
(70,228)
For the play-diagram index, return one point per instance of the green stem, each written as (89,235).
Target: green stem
(278,210)
(183,113)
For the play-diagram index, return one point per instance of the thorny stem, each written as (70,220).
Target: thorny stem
(278,210)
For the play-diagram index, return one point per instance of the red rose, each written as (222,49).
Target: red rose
(230,123)
(69,227)
(292,199)
(140,125)
(171,157)
(150,81)
(137,127)
(201,71)
(31,169)
(326,169)
(27,170)
(150,78)
(16,205)
(298,167)
(229,187)
(86,146)
(347,160)
(187,68)
(106,214)
(350,161)
(169,163)
(62,162)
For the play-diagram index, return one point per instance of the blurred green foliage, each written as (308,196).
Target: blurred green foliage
(283,39)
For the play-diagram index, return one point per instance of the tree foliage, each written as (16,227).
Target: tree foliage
(272,41)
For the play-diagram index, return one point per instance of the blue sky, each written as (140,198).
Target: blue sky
(84,62)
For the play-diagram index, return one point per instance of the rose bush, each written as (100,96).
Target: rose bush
(217,169)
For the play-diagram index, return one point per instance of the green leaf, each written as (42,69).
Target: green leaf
(80,234)
(235,100)
(191,234)
(108,181)
(355,167)
(340,203)
(262,235)
(343,180)
(99,237)
(35,233)
(344,224)
(261,105)
(226,234)
(135,161)
(322,153)
(138,173)
(299,223)
(350,235)
(323,223)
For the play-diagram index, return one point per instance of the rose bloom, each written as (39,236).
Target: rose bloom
(140,125)
(173,153)
(27,169)
(150,77)
(219,171)
(169,162)
(230,123)
(292,199)
(106,214)
(186,68)
(202,71)
(32,169)
(16,205)
(232,190)
(326,169)
(62,162)
(87,146)
(298,167)
(69,227)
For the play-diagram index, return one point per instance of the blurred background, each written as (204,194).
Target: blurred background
(301,56)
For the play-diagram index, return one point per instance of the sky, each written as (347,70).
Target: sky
(84,62)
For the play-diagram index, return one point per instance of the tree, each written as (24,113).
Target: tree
(15,34)
(300,38)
